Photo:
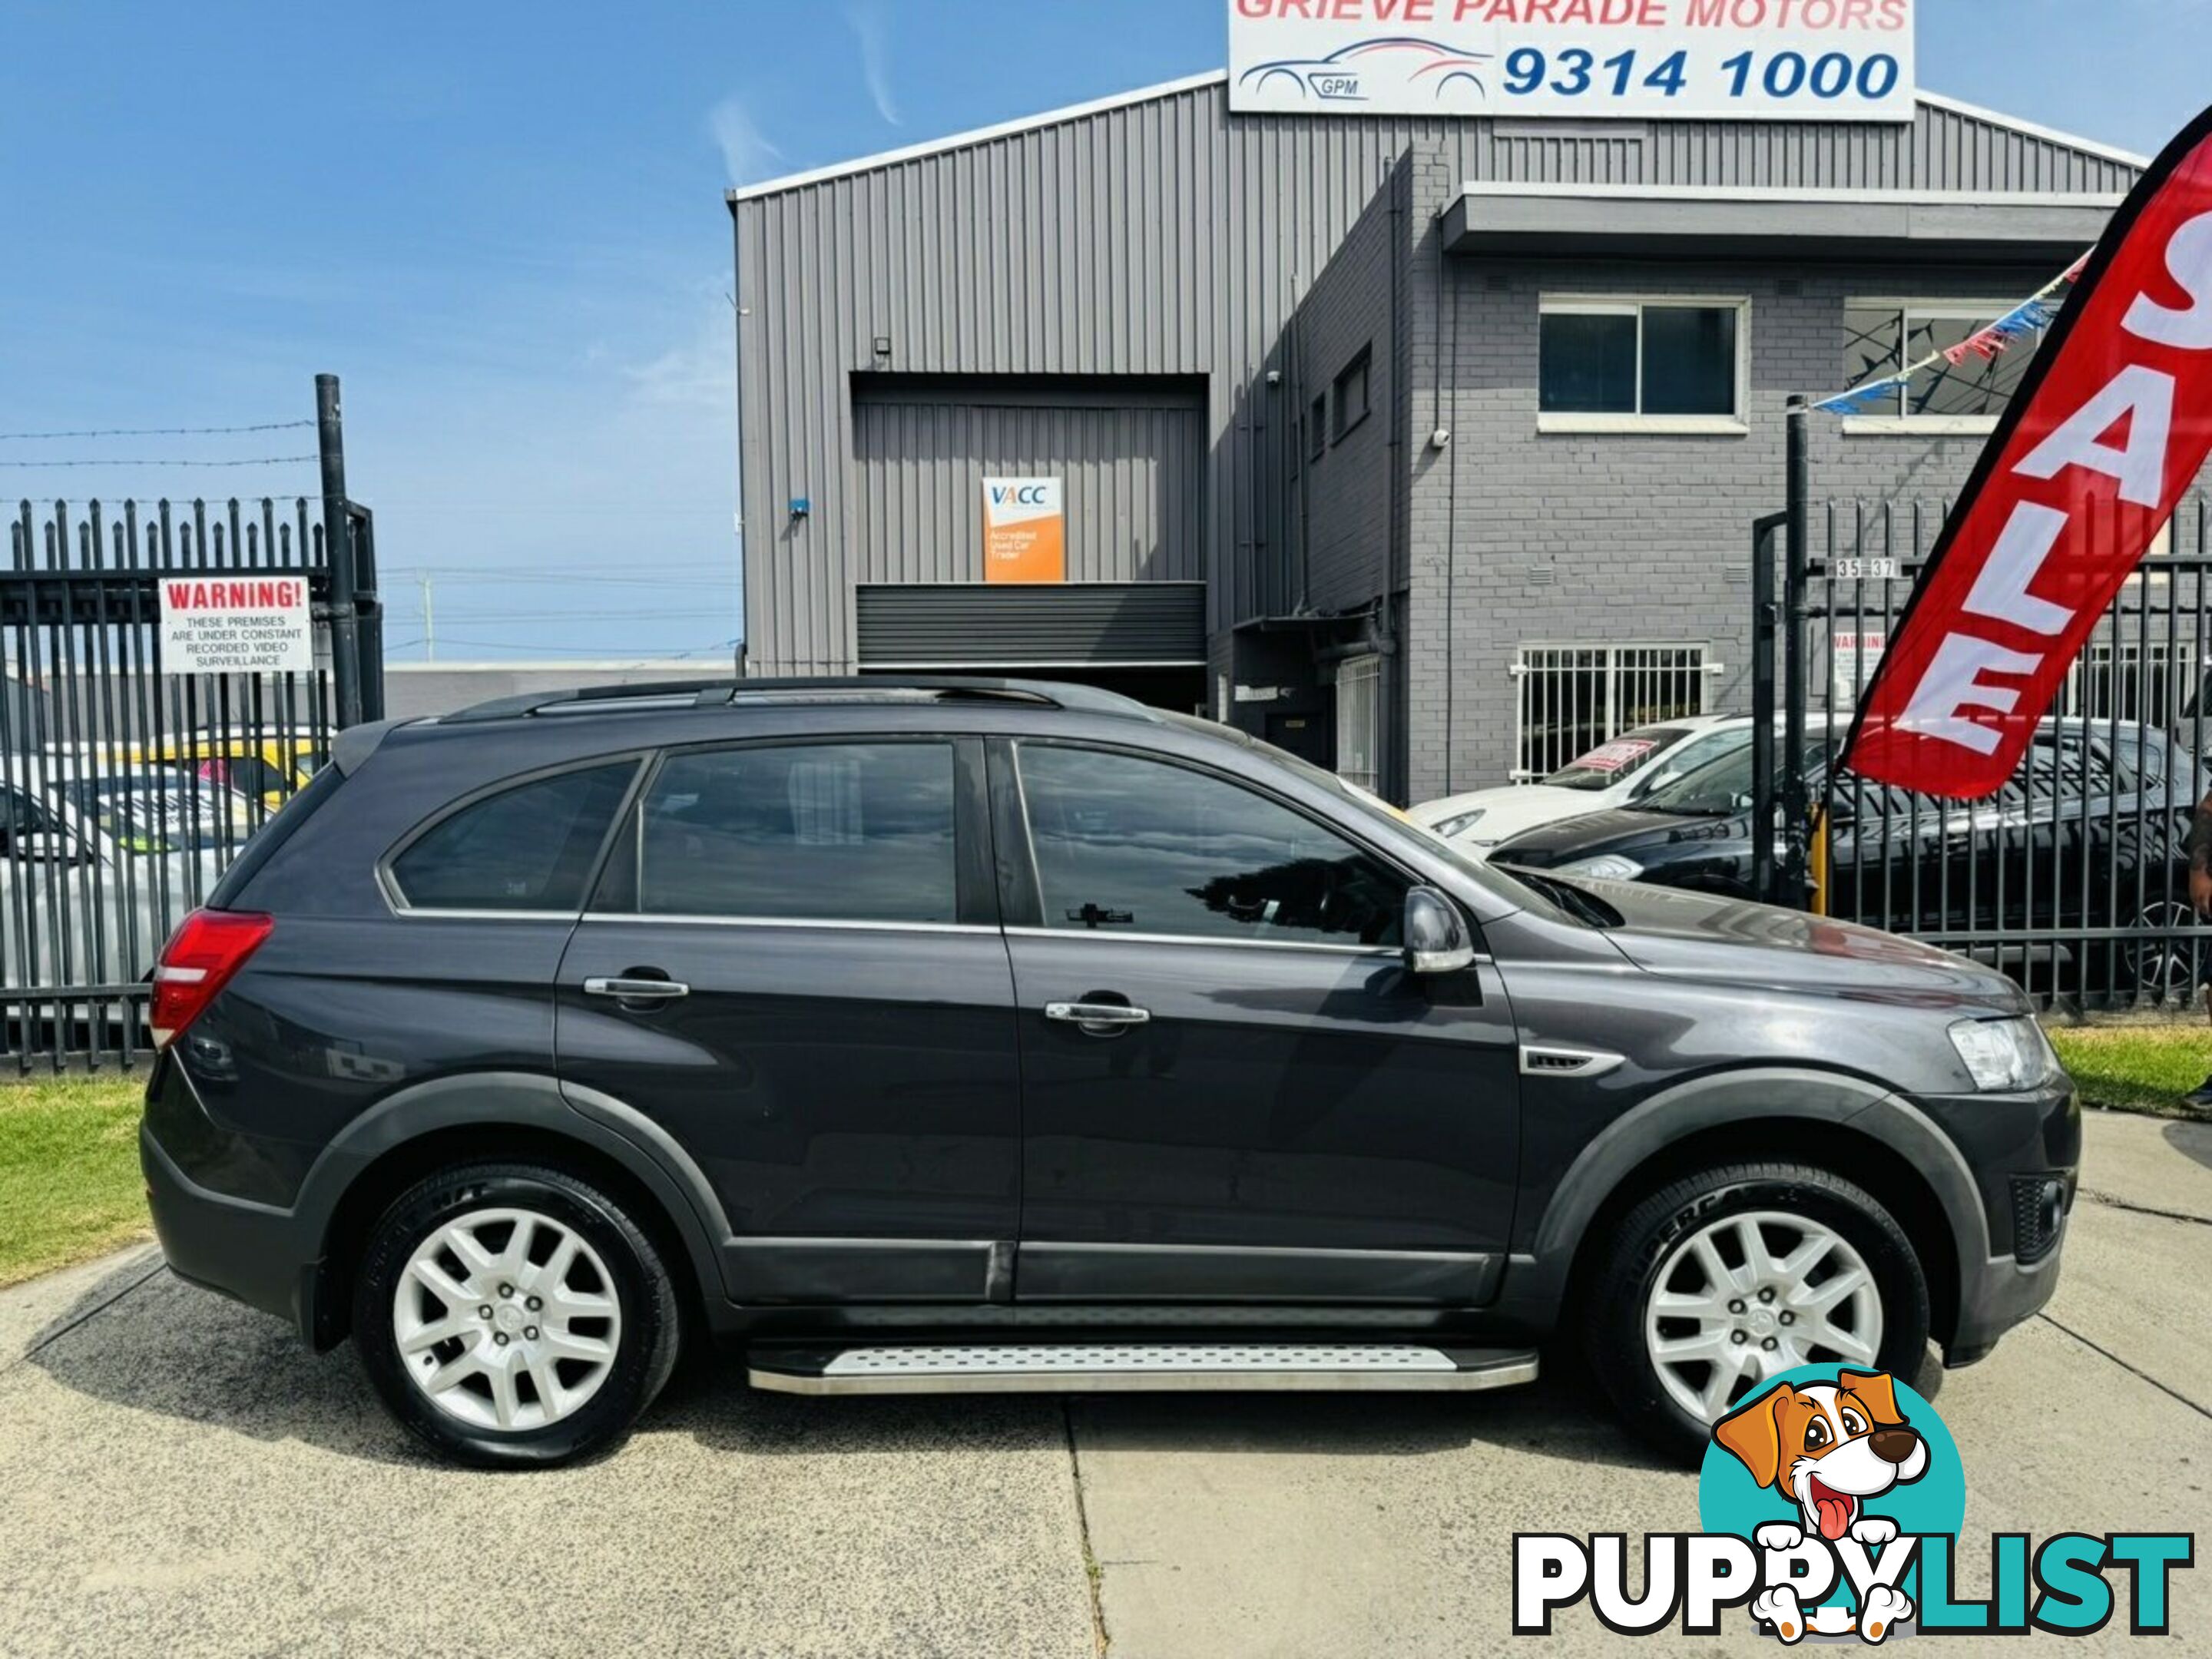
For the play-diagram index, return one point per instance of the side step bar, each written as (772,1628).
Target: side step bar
(1124,1367)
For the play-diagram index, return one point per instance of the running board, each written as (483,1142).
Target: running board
(1129,1367)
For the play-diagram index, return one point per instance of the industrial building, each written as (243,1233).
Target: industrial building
(1426,447)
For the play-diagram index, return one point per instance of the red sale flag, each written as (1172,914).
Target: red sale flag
(2108,429)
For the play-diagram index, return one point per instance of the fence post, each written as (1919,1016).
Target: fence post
(1764,621)
(1796,504)
(338,548)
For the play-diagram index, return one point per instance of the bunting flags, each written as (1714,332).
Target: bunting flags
(2038,311)
(2109,427)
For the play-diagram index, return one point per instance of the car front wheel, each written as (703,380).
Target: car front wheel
(513,1315)
(1729,1276)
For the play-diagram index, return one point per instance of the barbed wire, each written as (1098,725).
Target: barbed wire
(155,431)
(257,460)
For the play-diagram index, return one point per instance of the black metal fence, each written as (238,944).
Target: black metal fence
(2074,878)
(128,790)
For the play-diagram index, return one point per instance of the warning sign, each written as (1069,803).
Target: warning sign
(1855,657)
(1024,531)
(244,624)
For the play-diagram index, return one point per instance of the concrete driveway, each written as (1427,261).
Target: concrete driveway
(177,1477)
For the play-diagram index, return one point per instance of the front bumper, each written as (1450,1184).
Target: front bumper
(2014,1145)
(252,1252)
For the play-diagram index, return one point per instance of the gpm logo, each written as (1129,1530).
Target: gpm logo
(1788,1533)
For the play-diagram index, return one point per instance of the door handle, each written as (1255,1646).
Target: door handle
(1097,1019)
(636,990)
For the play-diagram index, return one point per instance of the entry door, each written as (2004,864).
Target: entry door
(1231,1089)
(793,966)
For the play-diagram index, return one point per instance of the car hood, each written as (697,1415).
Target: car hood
(1509,813)
(1620,829)
(1713,938)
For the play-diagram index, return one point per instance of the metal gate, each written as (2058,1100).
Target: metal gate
(2074,878)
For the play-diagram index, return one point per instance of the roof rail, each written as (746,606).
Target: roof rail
(846,688)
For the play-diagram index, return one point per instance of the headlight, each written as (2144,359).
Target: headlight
(2004,1053)
(1458,823)
(1606,867)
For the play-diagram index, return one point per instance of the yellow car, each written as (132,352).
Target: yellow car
(271,764)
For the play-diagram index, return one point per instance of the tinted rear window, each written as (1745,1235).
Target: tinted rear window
(530,847)
(832,832)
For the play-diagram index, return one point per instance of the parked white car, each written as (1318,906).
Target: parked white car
(98,862)
(1614,774)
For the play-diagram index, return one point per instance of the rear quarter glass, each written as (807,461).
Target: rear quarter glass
(280,828)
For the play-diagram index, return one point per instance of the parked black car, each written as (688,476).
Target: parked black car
(968,1034)
(2073,876)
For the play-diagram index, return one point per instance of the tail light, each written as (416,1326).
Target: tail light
(208,947)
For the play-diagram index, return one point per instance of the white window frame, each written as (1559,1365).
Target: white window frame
(1733,425)
(1359,720)
(1979,312)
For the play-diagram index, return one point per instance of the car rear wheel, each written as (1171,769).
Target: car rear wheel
(1729,1276)
(513,1314)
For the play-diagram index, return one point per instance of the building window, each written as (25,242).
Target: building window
(1318,428)
(1360,721)
(1574,697)
(1615,365)
(1881,335)
(1351,395)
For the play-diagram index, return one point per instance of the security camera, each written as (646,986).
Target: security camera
(1440,437)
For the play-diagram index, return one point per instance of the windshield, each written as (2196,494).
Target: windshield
(157,814)
(1621,758)
(1723,786)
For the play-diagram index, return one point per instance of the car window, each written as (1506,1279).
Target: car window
(530,847)
(1723,784)
(829,832)
(1125,844)
(1618,759)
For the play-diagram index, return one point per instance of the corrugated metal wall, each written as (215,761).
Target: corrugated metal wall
(1132,465)
(1163,237)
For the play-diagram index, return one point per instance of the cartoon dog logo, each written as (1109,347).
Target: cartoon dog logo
(1828,1448)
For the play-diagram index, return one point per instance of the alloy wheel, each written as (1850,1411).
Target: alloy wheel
(2168,966)
(1749,1296)
(507,1319)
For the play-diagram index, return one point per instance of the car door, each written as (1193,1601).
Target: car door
(1231,1089)
(793,965)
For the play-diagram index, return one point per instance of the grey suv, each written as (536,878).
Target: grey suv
(933,1035)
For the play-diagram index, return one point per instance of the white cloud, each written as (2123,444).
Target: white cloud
(746,153)
(872,29)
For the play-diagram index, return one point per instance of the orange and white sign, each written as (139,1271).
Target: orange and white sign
(1024,531)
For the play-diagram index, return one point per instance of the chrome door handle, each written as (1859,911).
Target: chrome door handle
(636,990)
(1097,1019)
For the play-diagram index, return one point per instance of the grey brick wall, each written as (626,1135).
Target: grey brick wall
(1344,503)
(1518,537)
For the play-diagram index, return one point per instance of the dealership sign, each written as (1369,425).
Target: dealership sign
(1774,60)
(1024,532)
(248,625)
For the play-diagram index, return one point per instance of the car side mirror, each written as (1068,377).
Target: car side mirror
(1437,940)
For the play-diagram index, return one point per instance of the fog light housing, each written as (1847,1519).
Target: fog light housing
(2038,1215)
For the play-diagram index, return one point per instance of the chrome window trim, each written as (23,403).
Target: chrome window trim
(1390,952)
(648,918)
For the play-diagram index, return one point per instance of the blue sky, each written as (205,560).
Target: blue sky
(503,227)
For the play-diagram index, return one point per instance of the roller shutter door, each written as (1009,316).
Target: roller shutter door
(966,625)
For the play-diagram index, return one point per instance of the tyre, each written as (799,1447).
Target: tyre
(513,1315)
(1720,1280)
